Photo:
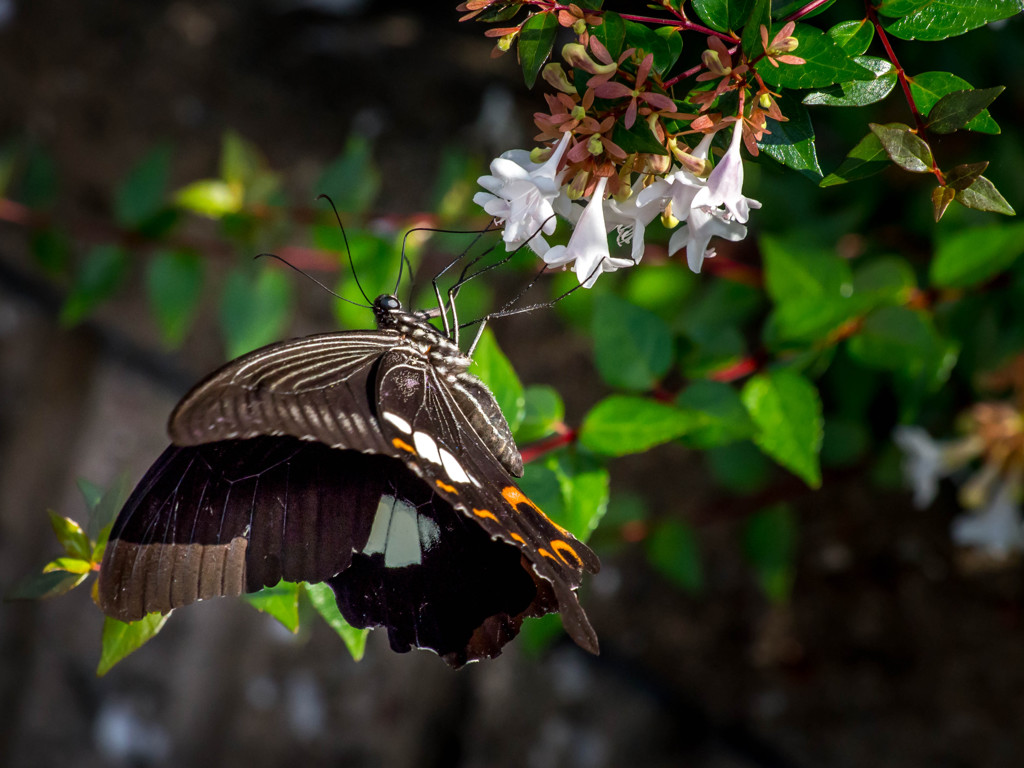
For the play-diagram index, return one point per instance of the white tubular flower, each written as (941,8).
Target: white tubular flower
(630,219)
(996,528)
(520,193)
(701,225)
(922,463)
(587,249)
(725,184)
(678,187)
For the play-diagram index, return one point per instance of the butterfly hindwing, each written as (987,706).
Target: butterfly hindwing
(235,516)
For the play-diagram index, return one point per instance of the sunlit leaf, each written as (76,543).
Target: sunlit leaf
(322,598)
(787,411)
(123,638)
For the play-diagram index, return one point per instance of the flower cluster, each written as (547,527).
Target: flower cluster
(990,493)
(620,153)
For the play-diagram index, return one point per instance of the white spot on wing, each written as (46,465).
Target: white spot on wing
(452,467)
(381,522)
(398,421)
(403,547)
(426,447)
(430,532)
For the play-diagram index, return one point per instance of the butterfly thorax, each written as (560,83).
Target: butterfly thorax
(415,327)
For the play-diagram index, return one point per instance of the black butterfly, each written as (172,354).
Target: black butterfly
(371,460)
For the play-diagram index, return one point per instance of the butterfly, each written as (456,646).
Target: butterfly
(371,460)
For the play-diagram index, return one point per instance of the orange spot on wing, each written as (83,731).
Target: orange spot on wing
(559,546)
(403,446)
(445,487)
(518,538)
(547,554)
(515,497)
(486,513)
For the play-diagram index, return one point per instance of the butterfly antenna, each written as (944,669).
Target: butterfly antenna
(507,311)
(348,250)
(310,277)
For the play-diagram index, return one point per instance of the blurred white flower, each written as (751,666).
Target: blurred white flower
(996,528)
(922,463)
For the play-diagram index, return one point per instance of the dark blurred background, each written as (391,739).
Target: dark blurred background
(887,654)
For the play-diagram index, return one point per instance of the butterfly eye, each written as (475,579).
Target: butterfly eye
(389,303)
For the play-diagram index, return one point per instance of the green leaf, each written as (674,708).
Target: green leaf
(672,550)
(241,163)
(853,36)
(739,468)
(582,483)
(51,249)
(898,8)
(955,110)
(928,87)
(887,280)
(254,312)
(123,638)
(982,195)
(865,159)
(611,32)
(352,180)
(540,632)
(769,541)
(858,93)
(544,412)
(787,411)
(723,15)
(536,38)
(38,184)
(91,493)
(322,598)
(101,517)
(637,139)
(966,257)
(668,53)
(494,369)
(100,276)
(40,586)
(759,15)
(664,47)
(725,419)
(826,63)
(174,284)
(940,19)
(280,601)
(845,443)
(620,425)
(69,565)
(963,175)
(212,198)
(792,142)
(904,341)
(632,347)
(811,287)
(141,195)
(908,150)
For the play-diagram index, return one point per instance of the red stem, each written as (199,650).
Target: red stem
(543,447)
(901,75)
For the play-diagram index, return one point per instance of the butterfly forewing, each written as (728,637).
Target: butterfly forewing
(423,421)
(313,388)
